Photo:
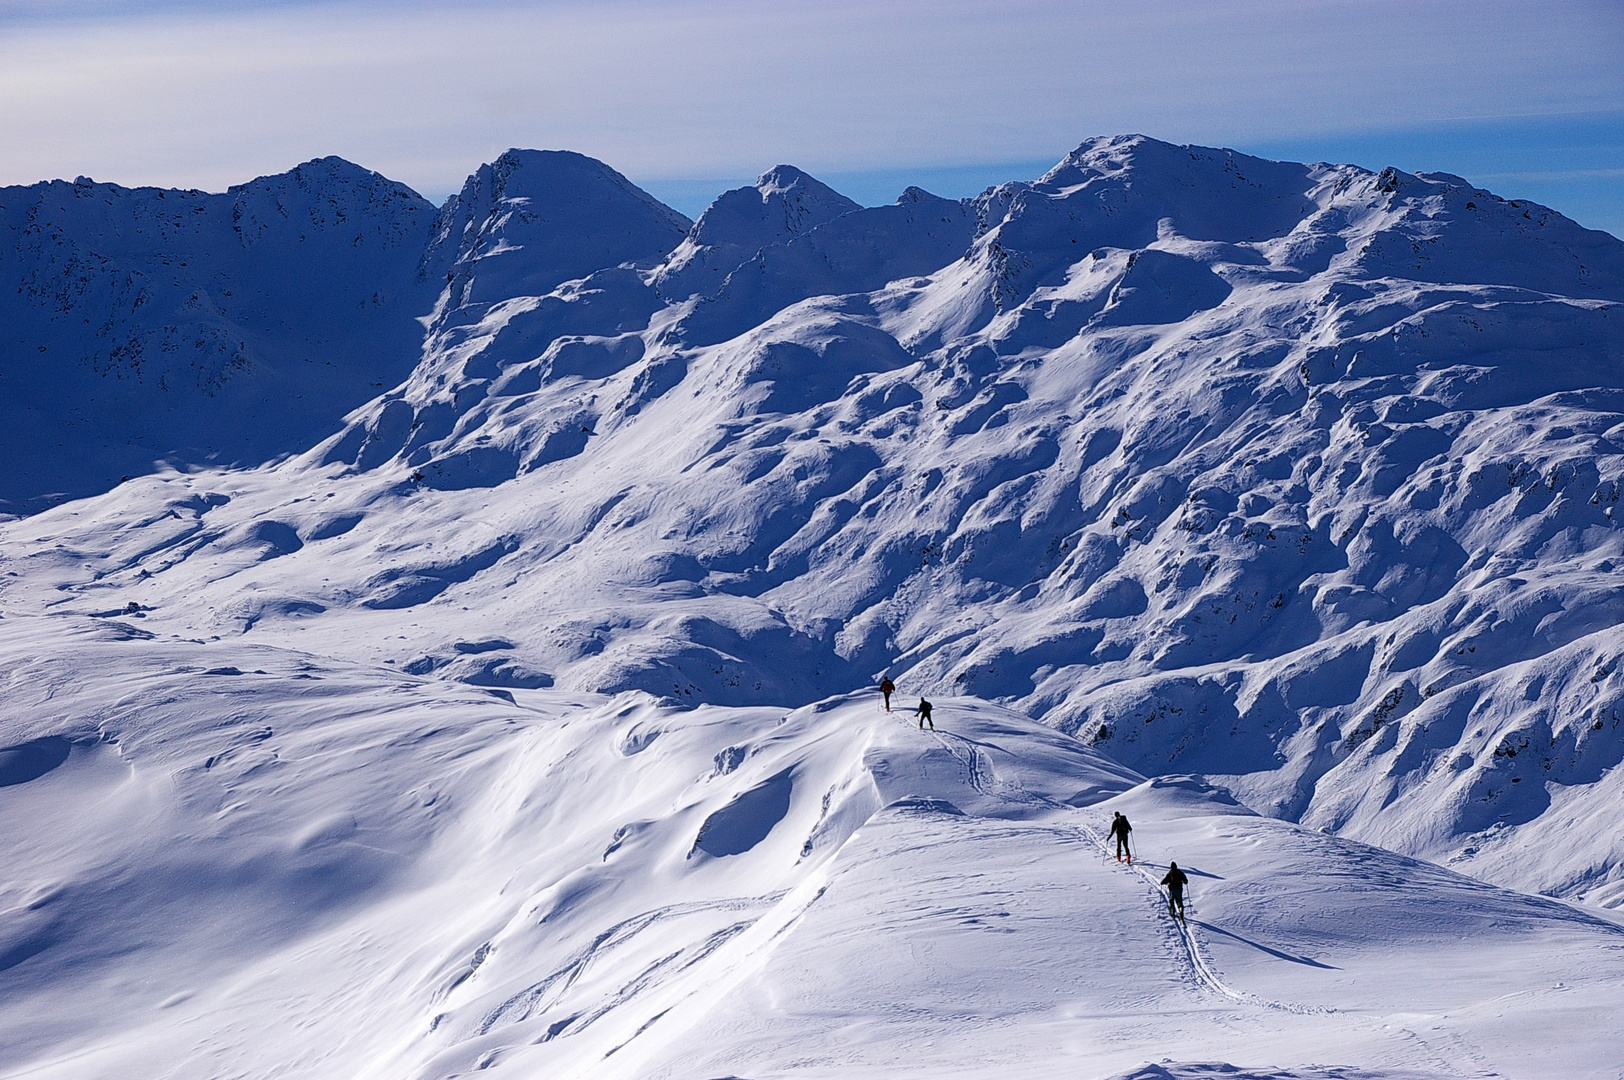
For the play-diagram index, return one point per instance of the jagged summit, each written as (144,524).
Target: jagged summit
(784,203)
(804,200)
(1138,187)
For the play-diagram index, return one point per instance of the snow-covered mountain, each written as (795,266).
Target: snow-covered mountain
(145,325)
(1299,479)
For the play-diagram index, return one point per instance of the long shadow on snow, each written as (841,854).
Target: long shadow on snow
(1264,948)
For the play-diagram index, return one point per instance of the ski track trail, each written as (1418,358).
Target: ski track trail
(1205,971)
(971,763)
(1201,965)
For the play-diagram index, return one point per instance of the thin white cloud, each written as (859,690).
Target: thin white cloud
(202,96)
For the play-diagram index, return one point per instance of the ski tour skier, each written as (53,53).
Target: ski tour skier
(1175,882)
(886,686)
(924,715)
(1120,829)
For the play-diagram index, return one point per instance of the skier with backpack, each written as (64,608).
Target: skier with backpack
(1120,829)
(1175,882)
(886,687)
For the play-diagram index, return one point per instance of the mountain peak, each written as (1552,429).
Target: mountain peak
(322,172)
(783,204)
(788,181)
(569,214)
(1099,156)
(561,183)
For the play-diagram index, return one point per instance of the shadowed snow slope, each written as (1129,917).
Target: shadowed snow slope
(256,862)
(138,325)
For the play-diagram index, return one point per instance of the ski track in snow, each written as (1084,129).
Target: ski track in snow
(1202,969)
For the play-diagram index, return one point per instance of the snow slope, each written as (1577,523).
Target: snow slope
(279,864)
(139,325)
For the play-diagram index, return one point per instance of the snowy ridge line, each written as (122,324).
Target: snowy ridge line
(1205,970)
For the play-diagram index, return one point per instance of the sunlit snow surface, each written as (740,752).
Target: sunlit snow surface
(475,735)
(257,862)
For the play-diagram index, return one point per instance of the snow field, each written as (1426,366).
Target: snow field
(255,862)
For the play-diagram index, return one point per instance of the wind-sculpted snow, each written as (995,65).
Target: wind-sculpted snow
(1299,477)
(229,859)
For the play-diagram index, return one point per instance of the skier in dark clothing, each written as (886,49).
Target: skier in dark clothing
(1120,829)
(924,715)
(1175,882)
(886,686)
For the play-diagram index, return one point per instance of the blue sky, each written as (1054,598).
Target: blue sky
(688,97)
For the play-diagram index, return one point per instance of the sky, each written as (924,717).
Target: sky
(689,97)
